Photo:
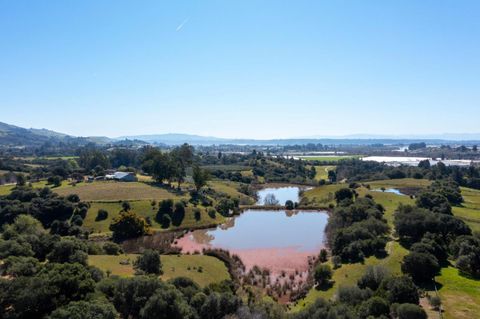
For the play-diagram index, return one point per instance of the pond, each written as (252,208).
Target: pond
(276,239)
(281,194)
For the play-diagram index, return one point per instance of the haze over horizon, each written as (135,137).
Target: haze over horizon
(241,69)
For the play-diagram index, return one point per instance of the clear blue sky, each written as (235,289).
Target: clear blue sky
(257,69)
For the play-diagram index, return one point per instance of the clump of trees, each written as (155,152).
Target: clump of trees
(168,167)
(149,263)
(357,229)
(128,225)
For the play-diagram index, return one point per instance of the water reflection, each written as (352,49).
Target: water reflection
(256,229)
(280,195)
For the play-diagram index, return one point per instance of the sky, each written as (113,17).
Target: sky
(241,68)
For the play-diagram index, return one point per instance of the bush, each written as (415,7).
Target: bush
(323,257)
(165,221)
(343,194)
(408,311)
(289,205)
(112,249)
(422,267)
(149,262)
(197,214)
(352,295)
(166,207)
(322,275)
(373,277)
(375,307)
(128,225)
(400,290)
(212,213)
(102,214)
(337,262)
(435,302)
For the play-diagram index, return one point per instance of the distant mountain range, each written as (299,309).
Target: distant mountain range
(11,135)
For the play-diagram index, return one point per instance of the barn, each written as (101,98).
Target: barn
(123,176)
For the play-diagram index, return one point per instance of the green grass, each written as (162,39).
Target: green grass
(329,158)
(469,212)
(460,295)
(400,183)
(144,208)
(322,171)
(230,188)
(213,270)
(111,190)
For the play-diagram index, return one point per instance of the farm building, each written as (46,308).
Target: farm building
(123,176)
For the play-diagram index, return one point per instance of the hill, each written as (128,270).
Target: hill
(11,135)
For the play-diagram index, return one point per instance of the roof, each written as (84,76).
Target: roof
(120,175)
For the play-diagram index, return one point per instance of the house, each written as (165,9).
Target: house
(123,176)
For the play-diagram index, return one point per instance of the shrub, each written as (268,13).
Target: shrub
(408,311)
(289,205)
(128,225)
(112,249)
(212,213)
(322,275)
(373,277)
(197,214)
(323,257)
(102,214)
(149,262)
(422,267)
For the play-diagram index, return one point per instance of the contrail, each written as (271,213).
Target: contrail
(180,26)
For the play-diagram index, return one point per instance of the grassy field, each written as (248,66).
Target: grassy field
(460,295)
(329,158)
(469,212)
(212,269)
(108,195)
(111,190)
(322,171)
(144,208)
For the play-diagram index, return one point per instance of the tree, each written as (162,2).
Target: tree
(322,275)
(200,177)
(167,303)
(20,266)
(422,267)
(409,311)
(289,205)
(434,201)
(126,206)
(270,200)
(128,225)
(112,249)
(181,158)
(375,307)
(400,290)
(129,295)
(343,194)
(332,176)
(323,257)
(102,214)
(21,180)
(373,277)
(95,309)
(149,262)
(425,164)
(69,250)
